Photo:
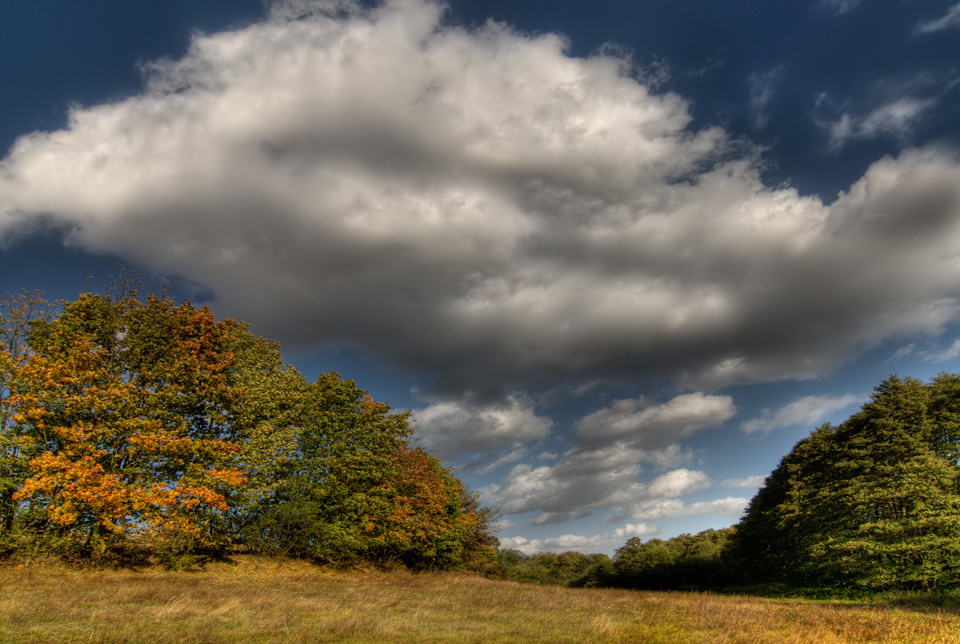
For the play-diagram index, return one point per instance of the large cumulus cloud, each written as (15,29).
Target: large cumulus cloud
(477,203)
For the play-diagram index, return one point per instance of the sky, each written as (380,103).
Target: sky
(617,257)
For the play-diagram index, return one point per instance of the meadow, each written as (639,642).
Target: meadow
(258,600)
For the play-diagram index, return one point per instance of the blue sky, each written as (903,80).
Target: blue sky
(618,257)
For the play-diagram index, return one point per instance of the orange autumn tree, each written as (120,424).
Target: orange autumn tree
(435,522)
(128,406)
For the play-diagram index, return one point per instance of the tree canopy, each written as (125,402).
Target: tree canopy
(873,503)
(141,423)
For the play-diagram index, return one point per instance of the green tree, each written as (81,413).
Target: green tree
(640,564)
(770,539)
(872,503)
(686,561)
(334,460)
(266,422)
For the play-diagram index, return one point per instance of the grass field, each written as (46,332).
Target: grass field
(255,600)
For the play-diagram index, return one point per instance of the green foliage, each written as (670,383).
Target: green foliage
(873,503)
(126,423)
(683,562)
(318,458)
(329,476)
(567,569)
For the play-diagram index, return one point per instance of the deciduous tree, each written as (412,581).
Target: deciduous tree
(16,444)
(872,503)
(128,404)
(435,522)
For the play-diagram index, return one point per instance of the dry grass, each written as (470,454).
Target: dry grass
(260,601)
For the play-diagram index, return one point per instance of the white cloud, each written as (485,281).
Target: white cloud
(951,353)
(808,411)
(896,118)
(950,20)
(587,479)
(677,483)
(453,428)
(750,481)
(903,352)
(657,425)
(481,207)
(664,508)
(577,543)
(841,6)
(485,466)
(891,107)
(762,90)
(932,352)
(670,456)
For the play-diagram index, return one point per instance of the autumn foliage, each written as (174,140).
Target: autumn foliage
(435,522)
(150,425)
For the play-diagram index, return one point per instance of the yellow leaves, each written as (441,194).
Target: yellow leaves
(123,399)
(63,515)
(131,407)
(230,477)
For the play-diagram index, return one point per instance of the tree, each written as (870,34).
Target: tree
(16,445)
(568,568)
(770,539)
(943,409)
(685,561)
(334,460)
(124,418)
(266,422)
(128,405)
(333,478)
(434,522)
(873,503)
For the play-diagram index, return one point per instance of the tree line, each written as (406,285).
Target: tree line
(872,504)
(135,426)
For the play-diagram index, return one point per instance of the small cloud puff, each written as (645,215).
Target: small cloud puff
(807,411)
(897,118)
(750,481)
(762,91)
(840,6)
(950,20)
